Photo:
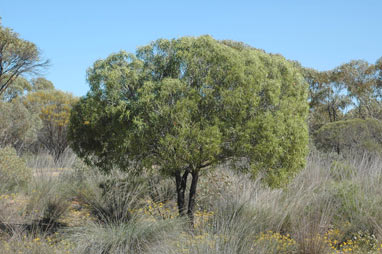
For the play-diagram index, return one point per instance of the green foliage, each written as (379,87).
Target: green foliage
(193,102)
(39,84)
(350,135)
(13,171)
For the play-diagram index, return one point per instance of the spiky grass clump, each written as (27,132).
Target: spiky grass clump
(111,198)
(136,236)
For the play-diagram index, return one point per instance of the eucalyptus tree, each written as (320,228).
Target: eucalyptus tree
(183,106)
(17,57)
(360,79)
(328,98)
(40,83)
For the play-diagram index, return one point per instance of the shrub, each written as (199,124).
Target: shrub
(13,170)
(360,135)
(18,127)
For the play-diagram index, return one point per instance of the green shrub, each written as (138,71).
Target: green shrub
(13,171)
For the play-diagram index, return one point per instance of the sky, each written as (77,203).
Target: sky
(320,34)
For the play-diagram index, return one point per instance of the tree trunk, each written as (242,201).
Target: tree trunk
(330,113)
(181,183)
(338,148)
(192,195)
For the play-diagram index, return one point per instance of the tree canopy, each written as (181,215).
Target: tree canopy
(17,57)
(185,105)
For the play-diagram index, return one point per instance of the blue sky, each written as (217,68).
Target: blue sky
(73,34)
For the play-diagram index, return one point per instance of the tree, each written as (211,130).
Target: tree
(53,108)
(17,57)
(359,78)
(186,105)
(41,83)
(328,98)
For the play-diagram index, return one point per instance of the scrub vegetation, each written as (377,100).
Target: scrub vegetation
(190,145)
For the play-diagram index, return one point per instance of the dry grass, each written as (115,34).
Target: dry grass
(333,206)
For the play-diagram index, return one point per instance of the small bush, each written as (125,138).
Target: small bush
(13,171)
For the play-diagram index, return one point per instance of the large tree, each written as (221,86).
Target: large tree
(17,57)
(183,106)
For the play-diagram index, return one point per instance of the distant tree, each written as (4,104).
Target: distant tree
(359,78)
(185,105)
(53,108)
(361,135)
(328,98)
(17,57)
(40,83)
